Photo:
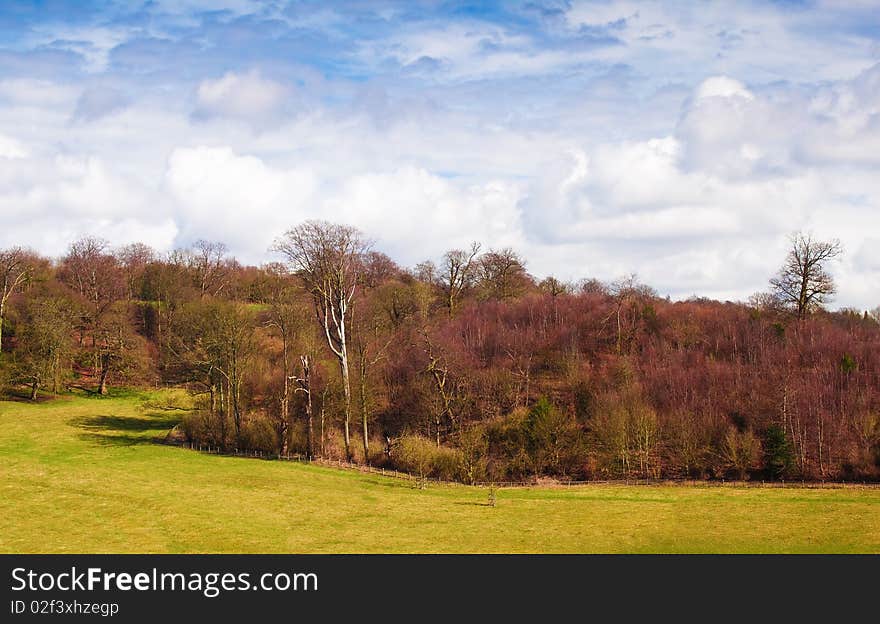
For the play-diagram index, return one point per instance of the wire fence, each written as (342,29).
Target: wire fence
(543,482)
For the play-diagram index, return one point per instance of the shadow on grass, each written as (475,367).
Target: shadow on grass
(24,396)
(125,430)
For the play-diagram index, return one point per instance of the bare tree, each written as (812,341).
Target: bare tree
(286,316)
(502,274)
(212,268)
(16,267)
(448,389)
(328,257)
(626,292)
(304,385)
(235,341)
(457,273)
(134,259)
(95,274)
(371,343)
(802,283)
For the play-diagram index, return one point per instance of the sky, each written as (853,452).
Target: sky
(681,141)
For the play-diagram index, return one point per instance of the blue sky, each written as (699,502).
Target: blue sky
(682,141)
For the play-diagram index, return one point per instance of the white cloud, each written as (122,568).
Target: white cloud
(417,215)
(244,96)
(236,199)
(10,148)
(724,87)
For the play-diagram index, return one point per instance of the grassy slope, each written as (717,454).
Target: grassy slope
(81,475)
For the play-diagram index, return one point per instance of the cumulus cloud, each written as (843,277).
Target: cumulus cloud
(418,215)
(221,195)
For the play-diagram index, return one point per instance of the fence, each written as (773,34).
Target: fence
(546,483)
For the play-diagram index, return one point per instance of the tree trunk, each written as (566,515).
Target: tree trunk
(346,388)
(323,400)
(306,386)
(285,434)
(228,407)
(105,370)
(285,398)
(213,394)
(235,396)
(56,364)
(366,434)
(222,413)
(2,307)
(364,422)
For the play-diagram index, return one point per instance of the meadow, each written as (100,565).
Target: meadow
(85,475)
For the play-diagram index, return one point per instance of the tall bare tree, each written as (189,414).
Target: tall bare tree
(304,385)
(803,283)
(211,266)
(286,316)
(457,273)
(448,388)
(371,343)
(329,258)
(16,267)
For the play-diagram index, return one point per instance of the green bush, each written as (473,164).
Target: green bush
(419,456)
(258,433)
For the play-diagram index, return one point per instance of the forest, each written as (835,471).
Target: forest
(466,368)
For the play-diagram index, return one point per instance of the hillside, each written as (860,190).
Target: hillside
(83,475)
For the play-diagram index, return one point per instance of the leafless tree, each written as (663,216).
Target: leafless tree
(134,259)
(626,292)
(328,257)
(457,273)
(95,274)
(803,284)
(208,260)
(447,388)
(371,342)
(287,317)
(304,385)
(16,267)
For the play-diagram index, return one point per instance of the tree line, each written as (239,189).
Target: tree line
(463,368)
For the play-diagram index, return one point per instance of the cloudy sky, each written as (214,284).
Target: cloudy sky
(682,141)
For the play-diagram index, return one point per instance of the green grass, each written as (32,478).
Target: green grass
(83,475)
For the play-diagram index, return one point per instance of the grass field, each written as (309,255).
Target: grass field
(82,475)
